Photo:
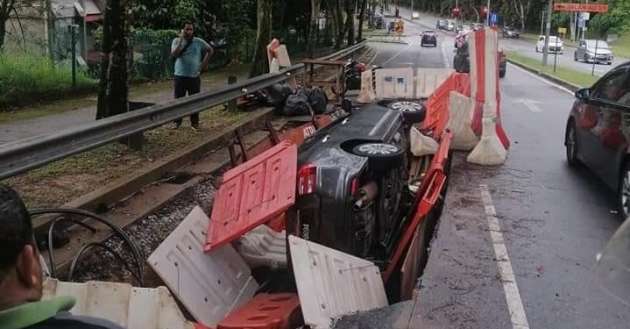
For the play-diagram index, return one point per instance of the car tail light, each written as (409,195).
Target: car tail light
(307,179)
(354,186)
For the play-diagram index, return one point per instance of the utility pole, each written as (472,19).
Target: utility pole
(547,33)
(488,14)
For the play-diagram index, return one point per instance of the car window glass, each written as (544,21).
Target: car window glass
(614,88)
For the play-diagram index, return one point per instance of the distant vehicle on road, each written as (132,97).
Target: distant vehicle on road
(450,26)
(428,38)
(593,51)
(511,33)
(596,132)
(461,61)
(441,24)
(379,21)
(415,15)
(555,44)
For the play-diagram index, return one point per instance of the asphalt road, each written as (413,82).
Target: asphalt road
(553,221)
(526,48)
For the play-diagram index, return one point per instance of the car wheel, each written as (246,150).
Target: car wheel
(623,194)
(575,57)
(585,58)
(537,49)
(571,144)
(412,112)
(381,156)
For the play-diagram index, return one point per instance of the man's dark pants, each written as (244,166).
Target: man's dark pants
(191,86)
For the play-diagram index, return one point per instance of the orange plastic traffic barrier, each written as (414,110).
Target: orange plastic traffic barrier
(436,105)
(266,311)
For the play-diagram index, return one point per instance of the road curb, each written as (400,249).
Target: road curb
(566,84)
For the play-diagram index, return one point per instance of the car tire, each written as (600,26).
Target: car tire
(585,58)
(571,145)
(381,156)
(537,49)
(412,112)
(623,191)
(575,57)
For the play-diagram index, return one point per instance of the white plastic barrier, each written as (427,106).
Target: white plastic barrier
(421,145)
(427,80)
(367,94)
(395,83)
(490,150)
(127,306)
(461,110)
(263,246)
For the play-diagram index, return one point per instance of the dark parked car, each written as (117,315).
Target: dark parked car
(597,132)
(352,181)
(461,61)
(510,32)
(379,21)
(428,38)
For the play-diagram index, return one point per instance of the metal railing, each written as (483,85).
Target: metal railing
(25,155)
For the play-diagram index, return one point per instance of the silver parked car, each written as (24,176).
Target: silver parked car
(593,51)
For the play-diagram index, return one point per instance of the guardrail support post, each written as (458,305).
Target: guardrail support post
(231,105)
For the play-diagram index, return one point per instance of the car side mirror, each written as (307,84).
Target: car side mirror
(583,94)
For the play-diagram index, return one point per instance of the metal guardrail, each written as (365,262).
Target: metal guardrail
(344,52)
(24,155)
(19,157)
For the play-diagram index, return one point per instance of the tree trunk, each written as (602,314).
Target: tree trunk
(361,18)
(114,82)
(263,37)
(350,21)
(6,6)
(3,31)
(314,27)
(337,17)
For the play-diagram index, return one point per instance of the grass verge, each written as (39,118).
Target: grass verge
(64,180)
(24,77)
(563,73)
(621,46)
(137,90)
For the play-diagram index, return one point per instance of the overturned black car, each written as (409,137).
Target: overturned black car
(352,181)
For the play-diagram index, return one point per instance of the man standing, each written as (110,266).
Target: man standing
(188,52)
(21,279)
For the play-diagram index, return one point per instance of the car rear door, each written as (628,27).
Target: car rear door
(611,99)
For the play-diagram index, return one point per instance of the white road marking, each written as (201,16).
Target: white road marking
(510,288)
(397,54)
(543,79)
(447,63)
(531,104)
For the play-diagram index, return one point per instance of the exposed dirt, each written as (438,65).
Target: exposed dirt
(65,180)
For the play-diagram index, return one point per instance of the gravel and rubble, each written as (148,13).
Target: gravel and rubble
(147,233)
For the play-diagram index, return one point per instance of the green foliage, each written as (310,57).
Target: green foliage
(27,78)
(152,50)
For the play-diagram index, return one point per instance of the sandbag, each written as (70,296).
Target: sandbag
(421,145)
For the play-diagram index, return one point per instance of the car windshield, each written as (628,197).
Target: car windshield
(599,44)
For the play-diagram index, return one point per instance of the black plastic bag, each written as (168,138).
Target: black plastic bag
(297,104)
(318,100)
